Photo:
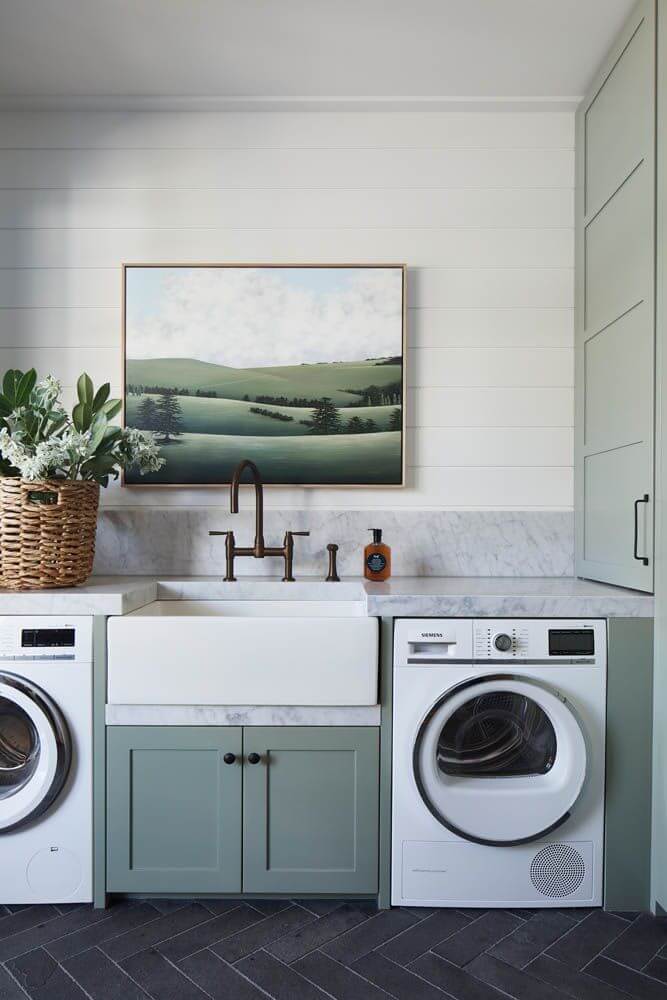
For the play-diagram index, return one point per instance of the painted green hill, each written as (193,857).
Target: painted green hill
(311,381)
(202,415)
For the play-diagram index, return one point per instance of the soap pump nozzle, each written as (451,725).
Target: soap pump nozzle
(377,535)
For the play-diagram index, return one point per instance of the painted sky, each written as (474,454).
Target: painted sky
(255,317)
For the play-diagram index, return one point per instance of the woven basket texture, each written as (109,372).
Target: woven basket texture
(47,532)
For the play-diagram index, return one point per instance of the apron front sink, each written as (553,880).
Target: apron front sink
(244,653)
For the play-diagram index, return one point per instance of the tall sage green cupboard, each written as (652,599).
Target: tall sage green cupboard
(615,312)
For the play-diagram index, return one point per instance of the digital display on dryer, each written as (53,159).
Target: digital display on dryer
(571,642)
(47,637)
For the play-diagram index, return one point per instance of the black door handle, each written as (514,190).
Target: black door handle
(641,559)
(254,758)
(229,758)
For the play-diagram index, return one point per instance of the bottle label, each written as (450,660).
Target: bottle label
(376,562)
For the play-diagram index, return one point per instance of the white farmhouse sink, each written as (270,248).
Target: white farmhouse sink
(244,653)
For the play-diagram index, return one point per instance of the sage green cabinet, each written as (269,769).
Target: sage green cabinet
(173,809)
(310,808)
(302,819)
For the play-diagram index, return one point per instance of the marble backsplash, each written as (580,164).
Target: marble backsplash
(175,541)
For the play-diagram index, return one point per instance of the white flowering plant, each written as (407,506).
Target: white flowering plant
(40,440)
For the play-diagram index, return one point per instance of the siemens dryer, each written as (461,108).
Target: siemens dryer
(46,716)
(498,762)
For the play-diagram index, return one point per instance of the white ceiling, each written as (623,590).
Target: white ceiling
(308,49)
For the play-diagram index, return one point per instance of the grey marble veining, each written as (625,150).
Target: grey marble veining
(242,715)
(100,595)
(424,543)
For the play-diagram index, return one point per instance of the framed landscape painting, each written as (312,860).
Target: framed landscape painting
(299,368)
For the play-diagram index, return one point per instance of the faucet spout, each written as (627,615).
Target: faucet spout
(259,546)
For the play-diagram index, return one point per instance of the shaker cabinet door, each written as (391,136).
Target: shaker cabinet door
(615,312)
(174,809)
(310,809)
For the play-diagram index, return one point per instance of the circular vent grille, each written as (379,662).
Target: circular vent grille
(557,870)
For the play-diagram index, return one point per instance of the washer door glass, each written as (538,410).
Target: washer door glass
(499,733)
(19,748)
(35,751)
(500,760)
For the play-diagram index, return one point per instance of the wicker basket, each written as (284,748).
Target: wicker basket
(47,532)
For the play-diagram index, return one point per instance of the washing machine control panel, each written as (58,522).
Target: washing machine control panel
(45,637)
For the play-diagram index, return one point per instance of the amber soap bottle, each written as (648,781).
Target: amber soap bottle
(377,558)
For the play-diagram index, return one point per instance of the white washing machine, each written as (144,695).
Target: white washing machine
(46,722)
(498,762)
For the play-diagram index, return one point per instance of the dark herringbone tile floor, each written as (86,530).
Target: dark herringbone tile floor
(316,950)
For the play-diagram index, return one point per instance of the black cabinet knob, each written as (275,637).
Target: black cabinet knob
(254,758)
(229,758)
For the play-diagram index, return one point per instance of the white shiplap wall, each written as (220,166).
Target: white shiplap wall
(478,204)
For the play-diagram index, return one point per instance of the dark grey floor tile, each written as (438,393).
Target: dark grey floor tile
(639,942)
(9,989)
(319,907)
(160,978)
(369,935)
(218,979)
(422,912)
(68,907)
(278,980)
(311,936)
(267,907)
(455,981)
(26,917)
(208,933)
(423,936)
(261,934)
(101,978)
(515,982)
(573,983)
(531,938)
(477,936)
(49,930)
(156,931)
(336,979)
(587,939)
(395,980)
(44,979)
(219,906)
(169,905)
(120,922)
(657,968)
(627,980)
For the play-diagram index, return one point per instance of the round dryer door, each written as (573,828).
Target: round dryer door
(35,751)
(500,760)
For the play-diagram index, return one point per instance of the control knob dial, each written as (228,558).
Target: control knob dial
(502,642)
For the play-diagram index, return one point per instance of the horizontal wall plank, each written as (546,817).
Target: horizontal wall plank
(526,367)
(489,407)
(459,287)
(490,446)
(405,208)
(421,247)
(294,168)
(255,129)
(429,327)
(453,488)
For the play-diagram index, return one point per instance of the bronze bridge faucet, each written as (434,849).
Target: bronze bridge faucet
(259,549)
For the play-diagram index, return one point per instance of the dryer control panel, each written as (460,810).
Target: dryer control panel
(45,637)
(423,641)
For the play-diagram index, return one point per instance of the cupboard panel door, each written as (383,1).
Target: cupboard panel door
(174,809)
(615,313)
(311,810)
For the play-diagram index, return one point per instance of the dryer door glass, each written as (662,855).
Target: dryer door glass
(500,733)
(19,748)
(500,759)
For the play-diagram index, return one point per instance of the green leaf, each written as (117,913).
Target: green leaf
(84,388)
(98,428)
(101,396)
(5,406)
(112,407)
(78,416)
(9,384)
(25,386)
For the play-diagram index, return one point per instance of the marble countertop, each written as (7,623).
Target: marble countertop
(412,596)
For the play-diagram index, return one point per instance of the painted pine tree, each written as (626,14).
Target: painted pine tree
(326,418)
(148,416)
(169,414)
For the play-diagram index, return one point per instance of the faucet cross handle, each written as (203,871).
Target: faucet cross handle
(230,549)
(288,550)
